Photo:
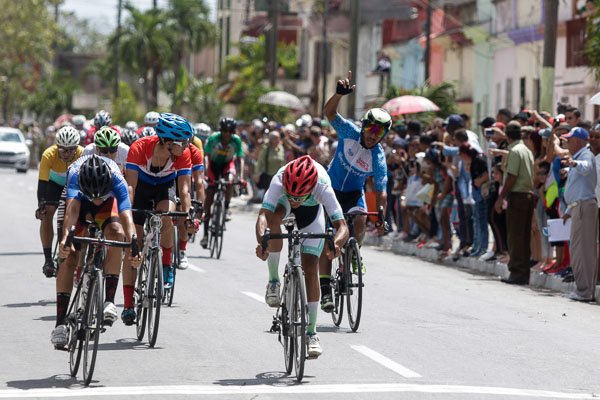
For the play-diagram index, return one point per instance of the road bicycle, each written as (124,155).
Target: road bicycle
(290,320)
(347,281)
(218,217)
(169,292)
(149,288)
(85,317)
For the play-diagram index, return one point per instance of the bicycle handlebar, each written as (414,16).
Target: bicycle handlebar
(378,214)
(161,213)
(328,236)
(48,203)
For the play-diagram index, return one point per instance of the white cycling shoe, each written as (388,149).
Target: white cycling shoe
(314,346)
(272,297)
(183,260)
(110,313)
(59,336)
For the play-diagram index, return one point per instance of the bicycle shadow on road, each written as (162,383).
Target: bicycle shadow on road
(124,344)
(41,303)
(46,318)
(20,253)
(55,381)
(275,378)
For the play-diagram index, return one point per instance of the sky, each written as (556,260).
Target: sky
(103,13)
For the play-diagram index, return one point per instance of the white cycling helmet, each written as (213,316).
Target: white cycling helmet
(131,125)
(151,118)
(67,136)
(78,120)
(203,130)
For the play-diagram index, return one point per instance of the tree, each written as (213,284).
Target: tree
(26,33)
(248,86)
(592,41)
(52,96)
(190,21)
(125,107)
(145,45)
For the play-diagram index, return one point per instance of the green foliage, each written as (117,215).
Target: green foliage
(204,102)
(592,42)
(287,56)
(52,96)
(443,95)
(248,86)
(125,107)
(80,35)
(26,33)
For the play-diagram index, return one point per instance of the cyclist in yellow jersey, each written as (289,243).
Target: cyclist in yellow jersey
(51,182)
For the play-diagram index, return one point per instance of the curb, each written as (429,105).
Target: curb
(536,279)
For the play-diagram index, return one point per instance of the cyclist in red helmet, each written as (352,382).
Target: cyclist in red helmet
(301,187)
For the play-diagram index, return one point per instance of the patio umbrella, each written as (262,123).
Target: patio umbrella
(595,99)
(58,122)
(409,105)
(282,99)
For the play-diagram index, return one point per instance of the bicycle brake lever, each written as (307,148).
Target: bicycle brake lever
(265,240)
(135,250)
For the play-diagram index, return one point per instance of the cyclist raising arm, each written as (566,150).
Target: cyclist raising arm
(52,178)
(358,156)
(95,187)
(154,164)
(304,188)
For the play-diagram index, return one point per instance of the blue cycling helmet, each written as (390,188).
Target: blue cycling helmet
(173,127)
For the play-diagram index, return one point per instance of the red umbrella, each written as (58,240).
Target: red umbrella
(409,105)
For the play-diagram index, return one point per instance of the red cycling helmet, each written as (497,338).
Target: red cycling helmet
(300,177)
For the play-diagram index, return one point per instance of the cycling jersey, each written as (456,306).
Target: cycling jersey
(352,164)
(119,189)
(197,157)
(140,160)
(217,154)
(322,194)
(196,141)
(52,168)
(121,158)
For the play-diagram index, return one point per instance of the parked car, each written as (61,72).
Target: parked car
(14,152)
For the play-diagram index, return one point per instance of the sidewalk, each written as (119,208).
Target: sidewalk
(536,279)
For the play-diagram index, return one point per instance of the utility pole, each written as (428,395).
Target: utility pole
(325,57)
(55,43)
(355,22)
(428,41)
(118,38)
(274,30)
(547,78)
(154,5)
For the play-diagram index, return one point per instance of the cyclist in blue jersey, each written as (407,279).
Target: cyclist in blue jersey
(358,156)
(96,190)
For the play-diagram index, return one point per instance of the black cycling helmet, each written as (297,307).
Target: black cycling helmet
(227,124)
(95,178)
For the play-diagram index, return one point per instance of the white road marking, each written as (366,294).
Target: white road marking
(197,269)
(214,390)
(255,296)
(386,362)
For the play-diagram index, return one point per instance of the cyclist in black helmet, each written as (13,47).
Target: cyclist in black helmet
(96,188)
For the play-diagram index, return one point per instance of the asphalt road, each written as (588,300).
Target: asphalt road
(427,332)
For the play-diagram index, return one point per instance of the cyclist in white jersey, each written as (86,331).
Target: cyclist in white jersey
(107,143)
(304,188)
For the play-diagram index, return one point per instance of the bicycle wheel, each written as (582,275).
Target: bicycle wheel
(169,292)
(141,310)
(93,326)
(286,331)
(155,292)
(222,220)
(354,285)
(299,313)
(337,291)
(75,342)
(215,229)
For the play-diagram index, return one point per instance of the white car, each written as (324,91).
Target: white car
(14,152)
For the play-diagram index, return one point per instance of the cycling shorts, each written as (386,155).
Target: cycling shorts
(308,219)
(53,191)
(351,201)
(104,214)
(218,171)
(148,196)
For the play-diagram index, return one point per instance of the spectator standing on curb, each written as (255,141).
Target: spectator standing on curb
(580,196)
(595,148)
(270,159)
(518,190)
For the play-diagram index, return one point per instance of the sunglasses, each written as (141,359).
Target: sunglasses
(180,143)
(107,150)
(67,149)
(297,199)
(375,129)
